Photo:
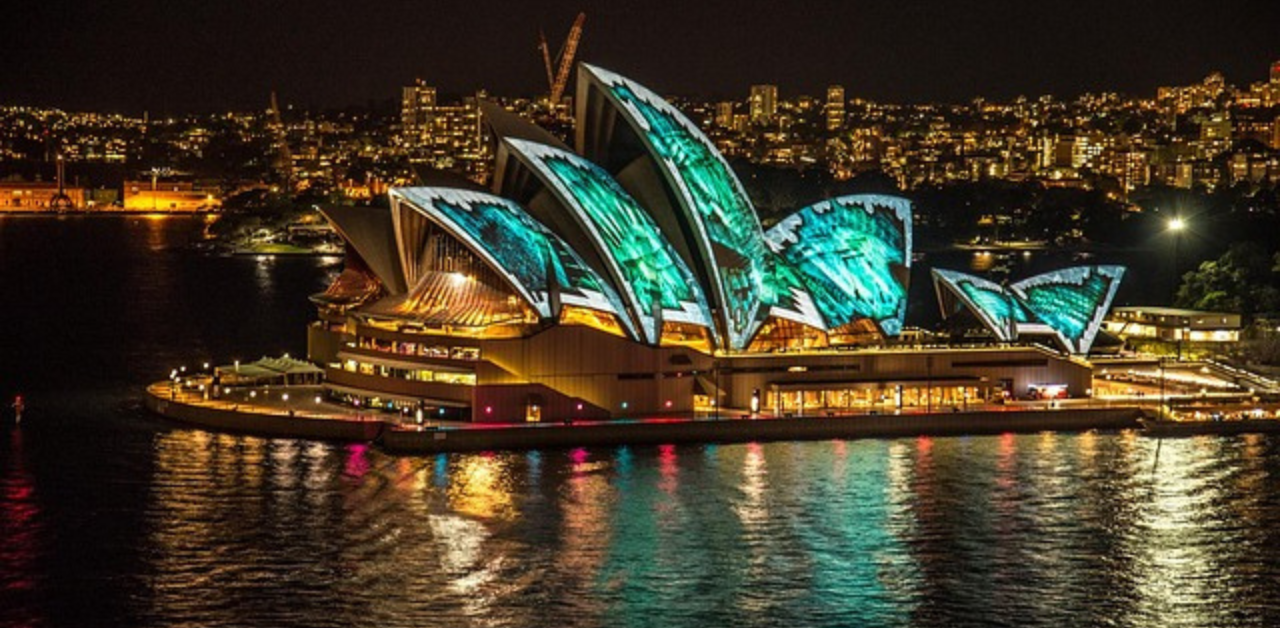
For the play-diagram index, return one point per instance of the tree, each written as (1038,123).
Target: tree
(1245,280)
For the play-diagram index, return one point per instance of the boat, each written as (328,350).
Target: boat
(1165,428)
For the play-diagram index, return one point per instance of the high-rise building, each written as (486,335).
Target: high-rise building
(1216,127)
(724,115)
(1275,73)
(417,108)
(763,104)
(835,107)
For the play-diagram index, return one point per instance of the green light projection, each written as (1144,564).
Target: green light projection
(1000,306)
(1068,303)
(990,302)
(1072,301)
(519,247)
(788,297)
(853,254)
(712,193)
(652,274)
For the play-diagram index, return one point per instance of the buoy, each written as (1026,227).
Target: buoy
(18,407)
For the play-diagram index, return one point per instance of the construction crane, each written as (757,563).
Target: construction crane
(558,73)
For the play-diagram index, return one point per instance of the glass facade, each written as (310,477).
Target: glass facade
(843,401)
(853,254)
(424,374)
(649,271)
(711,193)
(426,349)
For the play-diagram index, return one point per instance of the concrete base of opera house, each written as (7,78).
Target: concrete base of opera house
(670,431)
(265,421)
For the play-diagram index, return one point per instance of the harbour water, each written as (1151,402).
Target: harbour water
(109,516)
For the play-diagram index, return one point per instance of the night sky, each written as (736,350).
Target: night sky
(201,55)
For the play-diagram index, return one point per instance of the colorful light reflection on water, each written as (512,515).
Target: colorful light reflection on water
(110,517)
(1067,529)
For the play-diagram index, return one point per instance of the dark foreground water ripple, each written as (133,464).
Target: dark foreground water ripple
(109,517)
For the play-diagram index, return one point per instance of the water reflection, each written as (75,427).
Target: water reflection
(753,513)
(752,509)
(1067,529)
(357,464)
(587,502)
(480,486)
(263,273)
(21,532)
(1195,557)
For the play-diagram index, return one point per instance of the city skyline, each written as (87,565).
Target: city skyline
(640,313)
(168,59)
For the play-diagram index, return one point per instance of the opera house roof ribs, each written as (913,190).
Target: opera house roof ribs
(650,234)
(631,273)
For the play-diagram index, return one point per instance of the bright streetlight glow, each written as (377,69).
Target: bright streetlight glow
(1176,224)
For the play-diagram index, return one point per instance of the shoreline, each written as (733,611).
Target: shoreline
(216,416)
(461,437)
(688,431)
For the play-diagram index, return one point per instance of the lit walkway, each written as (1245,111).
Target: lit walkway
(294,401)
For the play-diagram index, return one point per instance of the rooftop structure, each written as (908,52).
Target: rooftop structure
(1067,304)
(677,168)
(631,275)
(654,280)
(1174,324)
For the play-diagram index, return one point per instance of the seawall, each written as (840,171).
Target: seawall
(653,432)
(264,424)
(471,437)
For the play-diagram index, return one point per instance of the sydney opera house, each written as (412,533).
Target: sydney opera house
(630,276)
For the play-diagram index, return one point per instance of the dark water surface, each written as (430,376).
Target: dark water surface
(109,517)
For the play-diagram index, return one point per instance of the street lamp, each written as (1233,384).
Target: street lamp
(1176,227)
(1162,413)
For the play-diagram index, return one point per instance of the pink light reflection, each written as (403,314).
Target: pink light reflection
(20,524)
(357,460)
(668,466)
(924,444)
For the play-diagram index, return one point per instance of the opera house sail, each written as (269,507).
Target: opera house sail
(1067,304)
(722,234)
(853,255)
(656,283)
(631,275)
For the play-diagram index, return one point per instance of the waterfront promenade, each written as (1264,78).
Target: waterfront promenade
(293,411)
(301,412)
